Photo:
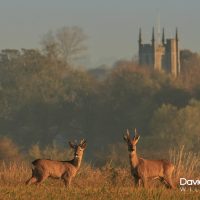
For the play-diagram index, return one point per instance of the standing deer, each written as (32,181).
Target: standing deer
(143,169)
(66,170)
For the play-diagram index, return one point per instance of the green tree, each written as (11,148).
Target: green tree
(177,126)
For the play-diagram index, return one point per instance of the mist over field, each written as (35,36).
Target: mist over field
(47,101)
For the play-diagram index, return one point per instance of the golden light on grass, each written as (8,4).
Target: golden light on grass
(97,183)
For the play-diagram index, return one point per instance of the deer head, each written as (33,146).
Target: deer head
(131,142)
(78,148)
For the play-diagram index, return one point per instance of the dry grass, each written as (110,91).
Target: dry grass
(187,163)
(96,183)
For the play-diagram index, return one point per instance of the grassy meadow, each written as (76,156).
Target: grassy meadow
(106,182)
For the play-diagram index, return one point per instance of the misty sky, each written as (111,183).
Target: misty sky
(112,25)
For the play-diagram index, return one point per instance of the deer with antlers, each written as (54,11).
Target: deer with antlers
(143,169)
(66,170)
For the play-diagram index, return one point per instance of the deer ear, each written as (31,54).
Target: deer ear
(71,145)
(137,138)
(83,146)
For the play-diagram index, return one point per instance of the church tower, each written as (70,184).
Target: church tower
(178,53)
(161,55)
(140,46)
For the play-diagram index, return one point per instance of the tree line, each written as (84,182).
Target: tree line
(45,100)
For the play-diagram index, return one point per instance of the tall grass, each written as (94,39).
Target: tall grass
(13,172)
(187,164)
(107,182)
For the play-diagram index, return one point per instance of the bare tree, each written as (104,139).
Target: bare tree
(49,45)
(67,44)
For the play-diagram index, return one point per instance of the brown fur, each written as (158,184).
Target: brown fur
(66,170)
(143,169)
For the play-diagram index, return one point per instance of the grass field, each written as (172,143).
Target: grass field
(59,192)
(103,183)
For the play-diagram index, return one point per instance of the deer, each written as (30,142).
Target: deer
(144,169)
(65,170)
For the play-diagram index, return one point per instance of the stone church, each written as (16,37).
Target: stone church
(161,55)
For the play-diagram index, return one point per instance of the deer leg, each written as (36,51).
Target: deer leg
(31,180)
(168,180)
(41,178)
(40,175)
(136,181)
(162,180)
(168,177)
(67,179)
(144,182)
(139,182)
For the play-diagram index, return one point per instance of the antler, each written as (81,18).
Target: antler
(136,137)
(82,143)
(127,136)
(136,133)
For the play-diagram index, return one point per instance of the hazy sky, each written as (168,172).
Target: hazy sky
(112,25)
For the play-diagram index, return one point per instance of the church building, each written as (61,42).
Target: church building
(161,55)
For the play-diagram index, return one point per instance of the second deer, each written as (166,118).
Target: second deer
(66,170)
(143,169)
